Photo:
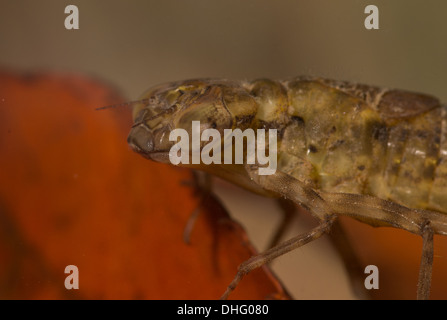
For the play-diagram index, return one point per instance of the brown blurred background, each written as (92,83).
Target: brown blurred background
(137,44)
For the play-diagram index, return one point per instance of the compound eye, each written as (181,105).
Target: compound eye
(141,139)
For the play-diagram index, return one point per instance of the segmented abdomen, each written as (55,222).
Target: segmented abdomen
(415,168)
(349,138)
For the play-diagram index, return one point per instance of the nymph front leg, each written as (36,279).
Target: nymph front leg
(296,191)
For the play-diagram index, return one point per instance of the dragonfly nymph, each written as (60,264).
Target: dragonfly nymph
(376,155)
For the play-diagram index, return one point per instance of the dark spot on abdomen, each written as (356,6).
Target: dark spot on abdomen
(380,132)
(300,121)
(312,148)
